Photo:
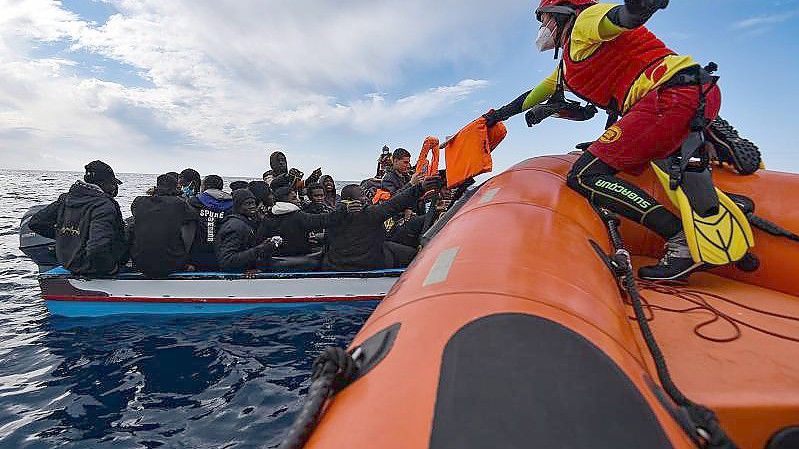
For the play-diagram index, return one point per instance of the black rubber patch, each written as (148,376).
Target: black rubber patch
(375,348)
(785,439)
(521,381)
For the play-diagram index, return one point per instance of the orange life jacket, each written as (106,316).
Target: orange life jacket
(430,145)
(468,154)
(381,195)
(606,77)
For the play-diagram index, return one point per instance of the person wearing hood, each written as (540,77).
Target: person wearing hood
(212,205)
(189,183)
(87,224)
(236,246)
(162,230)
(279,166)
(331,198)
(288,221)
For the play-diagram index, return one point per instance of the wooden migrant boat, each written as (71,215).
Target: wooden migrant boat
(292,285)
(133,293)
(509,331)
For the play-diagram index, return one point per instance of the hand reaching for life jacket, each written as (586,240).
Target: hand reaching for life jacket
(492,118)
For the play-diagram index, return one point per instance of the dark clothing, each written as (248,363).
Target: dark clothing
(409,231)
(317,208)
(332,201)
(293,225)
(357,241)
(597,181)
(370,186)
(212,206)
(332,198)
(395,182)
(158,242)
(236,246)
(87,226)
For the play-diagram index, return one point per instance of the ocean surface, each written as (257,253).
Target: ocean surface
(222,381)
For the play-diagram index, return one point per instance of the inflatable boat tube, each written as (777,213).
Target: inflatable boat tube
(509,331)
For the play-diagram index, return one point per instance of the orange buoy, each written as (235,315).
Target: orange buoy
(509,331)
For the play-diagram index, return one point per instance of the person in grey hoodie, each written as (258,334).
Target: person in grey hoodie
(213,205)
(293,225)
(87,224)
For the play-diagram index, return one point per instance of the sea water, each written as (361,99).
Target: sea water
(220,381)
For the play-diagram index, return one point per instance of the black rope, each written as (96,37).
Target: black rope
(333,370)
(706,422)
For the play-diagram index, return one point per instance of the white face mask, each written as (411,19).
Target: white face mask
(545,40)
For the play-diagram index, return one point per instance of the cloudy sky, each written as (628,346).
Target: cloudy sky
(152,86)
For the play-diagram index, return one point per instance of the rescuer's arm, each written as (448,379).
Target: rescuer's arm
(524,101)
(635,13)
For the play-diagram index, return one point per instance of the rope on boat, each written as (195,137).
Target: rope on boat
(707,428)
(701,303)
(333,370)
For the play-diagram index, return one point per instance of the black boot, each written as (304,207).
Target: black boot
(677,264)
(731,148)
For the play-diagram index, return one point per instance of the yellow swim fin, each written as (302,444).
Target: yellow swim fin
(718,237)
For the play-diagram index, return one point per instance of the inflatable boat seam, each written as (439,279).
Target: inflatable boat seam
(538,301)
(555,212)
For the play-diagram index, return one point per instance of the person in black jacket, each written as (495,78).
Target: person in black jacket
(358,241)
(293,225)
(398,176)
(236,246)
(87,224)
(163,230)
(316,193)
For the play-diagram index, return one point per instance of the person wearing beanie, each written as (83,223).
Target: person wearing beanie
(162,229)
(236,247)
(87,224)
(236,185)
(263,196)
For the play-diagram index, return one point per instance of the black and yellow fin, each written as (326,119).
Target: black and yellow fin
(717,236)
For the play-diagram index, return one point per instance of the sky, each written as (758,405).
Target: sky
(151,86)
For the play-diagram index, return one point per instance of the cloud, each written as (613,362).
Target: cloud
(229,76)
(765,20)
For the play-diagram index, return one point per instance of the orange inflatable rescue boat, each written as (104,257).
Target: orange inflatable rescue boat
(509,331)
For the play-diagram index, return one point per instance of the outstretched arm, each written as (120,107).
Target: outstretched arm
(525,101)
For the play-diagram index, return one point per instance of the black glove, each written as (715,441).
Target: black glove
(645,7)
(432,183)
(492,118)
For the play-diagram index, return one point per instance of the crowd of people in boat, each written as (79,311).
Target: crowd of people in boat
(187,222)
